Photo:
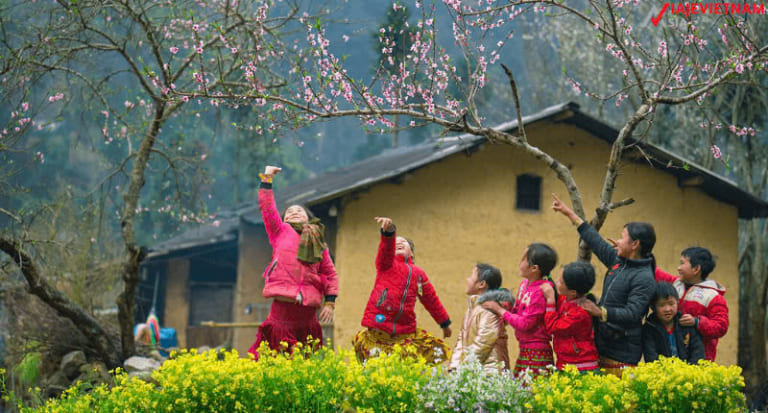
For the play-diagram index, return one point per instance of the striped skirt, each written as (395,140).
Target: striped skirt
(537,361)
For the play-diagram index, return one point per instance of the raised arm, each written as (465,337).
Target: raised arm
(269,214)
(604,251)
(664,276)
(386,254)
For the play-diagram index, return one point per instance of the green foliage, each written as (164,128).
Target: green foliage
(334,381)
(321,381)
(667,385)
(28,370)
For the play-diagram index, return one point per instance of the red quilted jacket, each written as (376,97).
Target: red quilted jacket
(706,302)
(398,284)
(572,336)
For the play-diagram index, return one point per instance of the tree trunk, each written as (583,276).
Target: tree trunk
(752,312)
(130,269)
(84,322)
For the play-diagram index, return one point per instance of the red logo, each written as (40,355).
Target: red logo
(689,9)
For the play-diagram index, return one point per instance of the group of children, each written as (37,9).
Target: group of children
(688,313)
(558,320)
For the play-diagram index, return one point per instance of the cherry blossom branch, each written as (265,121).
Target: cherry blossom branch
(672,100)
(513,86)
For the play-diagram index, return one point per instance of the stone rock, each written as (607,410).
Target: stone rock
(95,373)
(58,379)
(53,391)
(141,364)
(203,349)
(143,376)
(71,362)
(56,384)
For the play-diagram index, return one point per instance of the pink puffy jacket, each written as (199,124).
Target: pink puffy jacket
(286,276)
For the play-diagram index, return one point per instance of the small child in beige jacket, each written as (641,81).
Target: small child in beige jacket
(483,333)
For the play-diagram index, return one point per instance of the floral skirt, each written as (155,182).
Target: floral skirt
(371,342)
(289,323)
(536,361)
(613,367)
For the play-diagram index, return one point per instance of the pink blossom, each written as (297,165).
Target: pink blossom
(174,49)
(739,68)
(25,106)
(716,152)
(203,156)
(234,50)
(199,50)
(195,27)
(345,37)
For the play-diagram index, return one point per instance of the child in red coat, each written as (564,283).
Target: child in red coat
(389,315)
(570,325)
(702,301)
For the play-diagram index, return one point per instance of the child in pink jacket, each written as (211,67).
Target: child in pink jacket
(527,316)
(301,278)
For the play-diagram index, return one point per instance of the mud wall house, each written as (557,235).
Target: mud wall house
(463,201)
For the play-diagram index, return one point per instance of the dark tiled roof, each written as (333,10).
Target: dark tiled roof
(395,162)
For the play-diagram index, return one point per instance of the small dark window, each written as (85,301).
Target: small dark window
(528,192)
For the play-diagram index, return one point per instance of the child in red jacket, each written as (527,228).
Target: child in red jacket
(702,301)
(570,325)
(527,316)
(389,316)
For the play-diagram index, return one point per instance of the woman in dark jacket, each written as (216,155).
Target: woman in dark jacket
(627,289)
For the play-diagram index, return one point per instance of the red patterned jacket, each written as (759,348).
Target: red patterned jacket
(573,338)
(706,302)
(398,284)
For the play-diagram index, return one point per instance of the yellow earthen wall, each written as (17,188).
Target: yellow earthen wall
(254,254)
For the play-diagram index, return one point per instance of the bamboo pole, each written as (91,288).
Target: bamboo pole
(241,325)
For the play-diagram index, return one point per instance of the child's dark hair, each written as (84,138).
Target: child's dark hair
(490,274)
(542,255)
(643,232)
(310,215)
(663,290)
(701,257)
(580,277)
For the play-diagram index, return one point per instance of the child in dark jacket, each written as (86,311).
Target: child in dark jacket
(662,333)
(527,315)
(570,325)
